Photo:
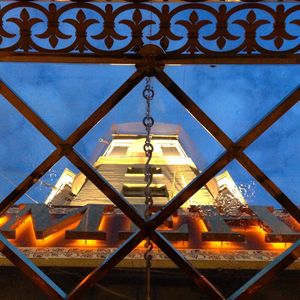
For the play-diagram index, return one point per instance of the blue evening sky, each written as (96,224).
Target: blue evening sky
(235,97)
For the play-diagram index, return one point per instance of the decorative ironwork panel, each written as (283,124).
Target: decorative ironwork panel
(114,29)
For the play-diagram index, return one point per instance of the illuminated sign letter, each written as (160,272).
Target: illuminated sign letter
(88,229)
(218,229)
(44,224)
(277,231)
(180,233)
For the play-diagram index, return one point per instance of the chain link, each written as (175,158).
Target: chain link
(148,122)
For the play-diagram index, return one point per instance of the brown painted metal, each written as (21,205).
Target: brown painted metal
(193,108)
(112,44)
(166,59)
(29,181)
(105,108)
(31,270)
(191,188)
(184,265)
(269,186)
(267,273)
(107,265)
(54,157)
(226,142)
(28,113)
(106,188)
(270,118)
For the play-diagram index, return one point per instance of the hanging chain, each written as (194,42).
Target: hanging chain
(148,122)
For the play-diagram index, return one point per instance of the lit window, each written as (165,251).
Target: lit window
(118,151)
(170,151)
(139,191)
(141,170)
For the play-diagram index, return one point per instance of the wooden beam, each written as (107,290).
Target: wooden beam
(236,148)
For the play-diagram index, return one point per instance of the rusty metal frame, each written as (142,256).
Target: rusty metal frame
(233,150)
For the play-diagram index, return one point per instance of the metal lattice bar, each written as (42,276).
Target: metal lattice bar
(245,140)
(262,277)
(31,270)
(30,180)
(199,279)
(107,265)
(104,186)
(29,114)
(171,207)
(269,186)
(105,108)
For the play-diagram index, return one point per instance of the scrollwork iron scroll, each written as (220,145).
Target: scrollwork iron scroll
(122,29)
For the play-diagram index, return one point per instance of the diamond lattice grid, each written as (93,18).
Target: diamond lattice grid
(65,147)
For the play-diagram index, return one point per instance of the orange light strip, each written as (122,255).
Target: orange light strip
(255,236)
(3,220)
